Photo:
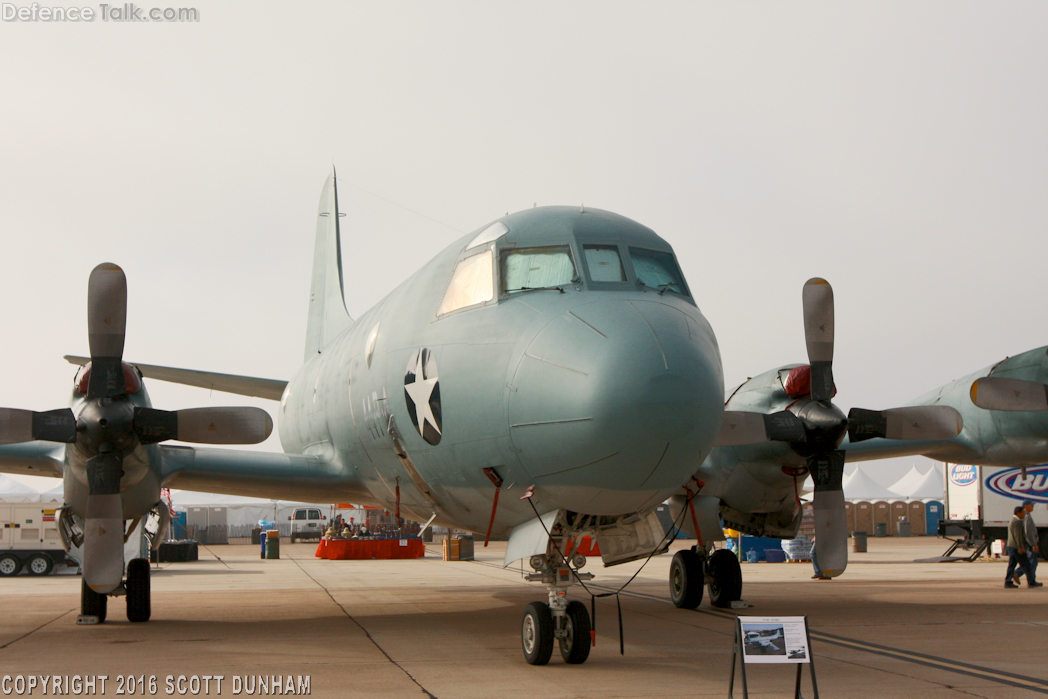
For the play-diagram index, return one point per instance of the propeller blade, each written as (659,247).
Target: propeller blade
(926,422)
(104,524)
(831,520)
(817,298)
(106,321)
(25,426)
(994,393)
(204,425)
(741,428)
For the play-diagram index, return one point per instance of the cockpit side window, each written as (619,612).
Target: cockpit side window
(604,263)
(472,283)
(537,268)
(658,270)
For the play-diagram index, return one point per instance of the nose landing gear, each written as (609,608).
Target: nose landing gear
(567,623)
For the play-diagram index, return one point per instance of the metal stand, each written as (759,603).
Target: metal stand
(737,652)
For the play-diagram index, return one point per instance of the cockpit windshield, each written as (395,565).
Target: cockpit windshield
(537,268)
(604,263)
(658,270)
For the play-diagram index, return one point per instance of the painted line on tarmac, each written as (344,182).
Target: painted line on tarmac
(30,633)
(361,627)
(1032,684)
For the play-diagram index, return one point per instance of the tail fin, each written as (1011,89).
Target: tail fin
(328,316)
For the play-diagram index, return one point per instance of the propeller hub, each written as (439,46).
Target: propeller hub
(107,422)
(824,426)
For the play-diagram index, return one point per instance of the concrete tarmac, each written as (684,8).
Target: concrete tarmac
(888,627)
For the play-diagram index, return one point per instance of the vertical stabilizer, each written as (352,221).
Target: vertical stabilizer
(327,305)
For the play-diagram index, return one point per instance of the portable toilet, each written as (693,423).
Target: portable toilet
(849,513)
(933,513)
(900,513)
(882,515)
(917,518)
(864,517)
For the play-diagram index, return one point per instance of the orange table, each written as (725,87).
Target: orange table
(366,549)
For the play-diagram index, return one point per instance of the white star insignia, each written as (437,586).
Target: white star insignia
(420,390)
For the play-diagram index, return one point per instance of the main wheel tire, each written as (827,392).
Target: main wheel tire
(575,646)
(138,604)
(537,633)
(9,565)
(686,579)
(725,578)
(92,603)
(40,564)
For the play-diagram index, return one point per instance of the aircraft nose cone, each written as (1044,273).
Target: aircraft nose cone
(614,404)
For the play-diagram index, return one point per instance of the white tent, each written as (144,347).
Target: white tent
(13,491)
(904,485)
(56,494)
(915,486)
(859,486)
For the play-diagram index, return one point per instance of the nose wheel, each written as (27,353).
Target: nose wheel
(560,622)
(569,627)
(537,633)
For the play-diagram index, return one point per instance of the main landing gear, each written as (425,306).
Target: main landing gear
(136,588)
(562,622)
(719,570)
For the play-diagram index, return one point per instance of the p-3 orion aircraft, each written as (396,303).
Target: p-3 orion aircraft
(555,354)
(781,425)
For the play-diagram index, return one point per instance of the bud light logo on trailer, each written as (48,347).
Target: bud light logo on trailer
(1010,483)
(962,474)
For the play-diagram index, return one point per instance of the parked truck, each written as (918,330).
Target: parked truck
(980,501)
(29,539)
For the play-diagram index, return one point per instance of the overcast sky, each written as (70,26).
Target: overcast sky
(899,150)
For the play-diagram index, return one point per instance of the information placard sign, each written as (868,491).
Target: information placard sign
(781,639)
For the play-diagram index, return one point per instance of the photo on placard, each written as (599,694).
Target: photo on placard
(763,639)
(781,639)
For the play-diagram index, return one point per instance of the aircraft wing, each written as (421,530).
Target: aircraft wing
(32,458)
(260,474)
(271,389)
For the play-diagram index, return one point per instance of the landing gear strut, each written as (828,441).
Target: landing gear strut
(567,623)
(719,570)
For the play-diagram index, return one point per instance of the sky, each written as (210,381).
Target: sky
(897,149)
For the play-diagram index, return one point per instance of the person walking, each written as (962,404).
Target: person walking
(815,564)
(1033,546)
(1016,548)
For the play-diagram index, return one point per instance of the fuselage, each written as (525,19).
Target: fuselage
(560,348)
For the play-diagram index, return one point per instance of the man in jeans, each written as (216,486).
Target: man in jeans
(1033,547)
(1017,549)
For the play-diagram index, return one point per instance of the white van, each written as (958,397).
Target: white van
(307,523)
